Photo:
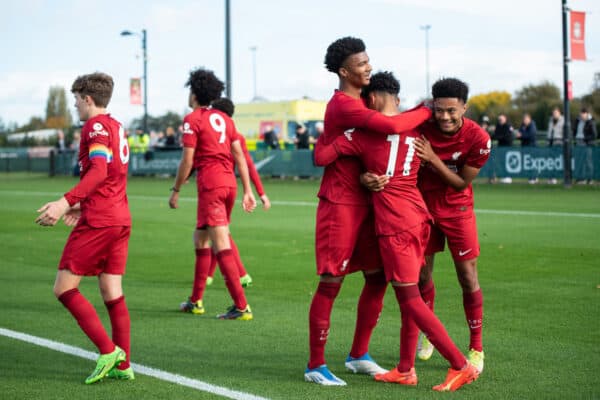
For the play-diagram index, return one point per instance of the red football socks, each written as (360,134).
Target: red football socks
(87,318)
(413,305)
(237,258)
(121,326)
(473,303)
(369,308)
(319,319)
(232,278)
(203,257)
(428,293)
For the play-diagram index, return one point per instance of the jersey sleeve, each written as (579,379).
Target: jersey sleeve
(254,176)
(99,154)
(346,145)
(480,150)
(189,137)
(356,115)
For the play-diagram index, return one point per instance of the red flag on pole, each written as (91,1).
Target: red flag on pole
(578,35)
(135,91)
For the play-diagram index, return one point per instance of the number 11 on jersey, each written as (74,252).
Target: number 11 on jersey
(394,147)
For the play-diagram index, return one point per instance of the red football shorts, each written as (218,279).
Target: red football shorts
(461,234)
(345,240)
(214,207)
(403,253)
(92,251)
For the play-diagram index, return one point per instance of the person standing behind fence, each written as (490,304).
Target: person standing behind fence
(302,139)
(556,126)
(584,132)
(526,134)
(503,133)
(270,137)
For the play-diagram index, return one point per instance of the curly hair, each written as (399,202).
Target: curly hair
(450,87)
(98,86)
(340,50)
(204,84)
(223,104)
(382,82)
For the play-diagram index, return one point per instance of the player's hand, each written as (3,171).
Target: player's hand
(174,200)
(424,150)
(265,201)
(51,212)
(248,202)
(72,216)
(374,182)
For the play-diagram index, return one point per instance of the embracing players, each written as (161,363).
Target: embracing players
(345,239)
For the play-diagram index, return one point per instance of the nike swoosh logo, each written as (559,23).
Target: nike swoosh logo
(462,253)
(263,162)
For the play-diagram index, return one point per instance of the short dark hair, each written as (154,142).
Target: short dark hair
(340,50)
(98,86)
(224,104)
(584,110)
(382,82)
(204,84)
(450,87)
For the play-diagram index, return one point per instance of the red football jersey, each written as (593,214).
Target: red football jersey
(399,206)
(103,161)
(340,182)
(470,146)
(210,133)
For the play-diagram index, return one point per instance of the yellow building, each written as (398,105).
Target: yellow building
(251,119)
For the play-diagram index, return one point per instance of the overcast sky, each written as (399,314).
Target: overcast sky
(493,45)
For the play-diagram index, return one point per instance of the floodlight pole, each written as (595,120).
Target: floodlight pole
(567,140)
(145,77)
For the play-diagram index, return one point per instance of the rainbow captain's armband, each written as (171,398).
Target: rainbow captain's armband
(99,150)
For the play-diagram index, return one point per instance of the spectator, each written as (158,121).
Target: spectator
(61,145)
(270,137)
(319,129)
(526,134)
(74,147)
(527,131)
(171,140)
(485,123)
(585,134)
(302,139)
(503,133)
(556,126)
(138,142)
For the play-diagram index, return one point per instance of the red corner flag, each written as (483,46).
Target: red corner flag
(578,35)
(135,91)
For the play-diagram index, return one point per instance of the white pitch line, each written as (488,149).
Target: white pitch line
(314,204)
(138,368)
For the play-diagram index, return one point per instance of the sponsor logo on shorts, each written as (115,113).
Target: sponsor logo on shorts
(456,155)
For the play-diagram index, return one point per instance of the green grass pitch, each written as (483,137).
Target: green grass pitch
(539,269)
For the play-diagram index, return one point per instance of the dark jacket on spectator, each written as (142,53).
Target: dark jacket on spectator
(503,134)
(528,133)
